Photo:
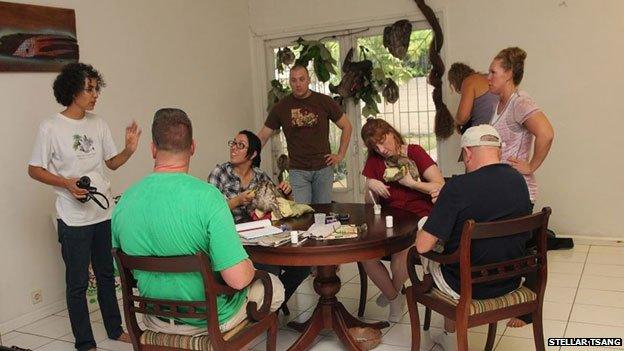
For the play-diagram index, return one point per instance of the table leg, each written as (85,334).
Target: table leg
(329,314)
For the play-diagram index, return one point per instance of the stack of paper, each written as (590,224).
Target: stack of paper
(250,230)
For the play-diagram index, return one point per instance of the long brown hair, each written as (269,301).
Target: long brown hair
(457,73)
(374,131)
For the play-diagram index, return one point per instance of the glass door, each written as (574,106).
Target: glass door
(412,114)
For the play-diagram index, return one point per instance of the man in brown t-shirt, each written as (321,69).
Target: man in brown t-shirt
(304,116)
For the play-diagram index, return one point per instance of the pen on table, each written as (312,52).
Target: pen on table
(302,241)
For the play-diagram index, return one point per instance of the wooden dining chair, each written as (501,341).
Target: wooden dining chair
(468,313)
(259,319)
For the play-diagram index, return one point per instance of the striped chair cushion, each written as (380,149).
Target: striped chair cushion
(198,343)
(518,296)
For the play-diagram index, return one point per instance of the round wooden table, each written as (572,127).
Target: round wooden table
(376,242)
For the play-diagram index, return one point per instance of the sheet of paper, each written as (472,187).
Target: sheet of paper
(256,229)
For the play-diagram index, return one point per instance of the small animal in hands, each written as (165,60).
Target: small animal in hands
(397,167)
(265,199)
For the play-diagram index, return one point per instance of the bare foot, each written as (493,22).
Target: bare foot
(124,337)
(516,323)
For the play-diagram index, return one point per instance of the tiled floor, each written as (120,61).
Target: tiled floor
(584,298)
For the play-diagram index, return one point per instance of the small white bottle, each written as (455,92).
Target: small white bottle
(294,237)
(389,222)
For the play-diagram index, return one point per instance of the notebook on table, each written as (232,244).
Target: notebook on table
(256,229)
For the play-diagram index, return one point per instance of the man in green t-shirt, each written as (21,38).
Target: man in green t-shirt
(171,213)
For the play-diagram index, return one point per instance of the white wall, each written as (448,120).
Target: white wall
(573,71)
(189,54)
(196,55)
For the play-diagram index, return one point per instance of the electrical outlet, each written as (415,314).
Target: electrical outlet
(36,296)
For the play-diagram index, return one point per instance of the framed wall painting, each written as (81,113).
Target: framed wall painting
(36,38)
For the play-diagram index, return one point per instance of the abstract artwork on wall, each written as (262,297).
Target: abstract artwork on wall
(36,38)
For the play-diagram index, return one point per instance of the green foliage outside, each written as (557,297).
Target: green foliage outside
(415,64)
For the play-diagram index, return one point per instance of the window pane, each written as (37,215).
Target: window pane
(413,114)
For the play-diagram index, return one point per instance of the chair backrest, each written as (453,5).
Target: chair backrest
(534,261)
(134,303)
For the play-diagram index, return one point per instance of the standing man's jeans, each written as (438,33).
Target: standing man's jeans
(312,187)
(79,246)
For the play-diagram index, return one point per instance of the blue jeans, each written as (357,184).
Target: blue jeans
(79,246)
(312,187)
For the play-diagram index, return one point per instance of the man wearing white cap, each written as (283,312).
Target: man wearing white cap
(489,191)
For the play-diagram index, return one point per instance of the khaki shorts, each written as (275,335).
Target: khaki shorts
(255,293)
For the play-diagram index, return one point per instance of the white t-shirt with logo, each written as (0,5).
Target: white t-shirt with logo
(74,148)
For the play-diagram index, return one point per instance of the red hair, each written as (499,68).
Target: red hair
(375,130)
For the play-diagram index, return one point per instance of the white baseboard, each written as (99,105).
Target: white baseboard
(33,316)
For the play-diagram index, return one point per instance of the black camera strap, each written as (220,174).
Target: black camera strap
(91,196)
(85,183)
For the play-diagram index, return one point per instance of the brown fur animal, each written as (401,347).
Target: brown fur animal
(265,199)
(397,167)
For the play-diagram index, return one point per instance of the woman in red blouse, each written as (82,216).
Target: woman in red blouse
(416,196)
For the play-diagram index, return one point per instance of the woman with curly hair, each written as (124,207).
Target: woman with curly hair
(69,145)
(476,104)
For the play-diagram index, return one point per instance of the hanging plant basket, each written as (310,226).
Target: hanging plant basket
(317,52)
(358,83)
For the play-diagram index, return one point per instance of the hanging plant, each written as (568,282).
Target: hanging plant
(389,88)
(317,52)
(354,76)
(357,82)
(284,57)
(276,93)
(370,95)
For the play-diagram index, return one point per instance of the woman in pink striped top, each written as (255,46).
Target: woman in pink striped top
(521,124)
(519,121)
